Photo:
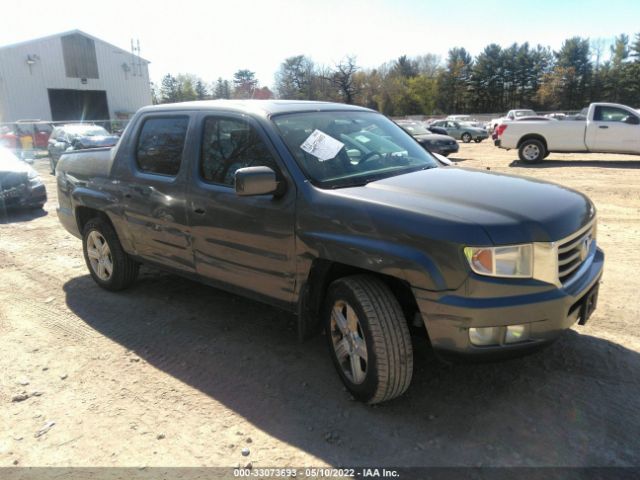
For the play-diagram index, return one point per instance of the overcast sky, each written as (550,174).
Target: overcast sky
(215,38)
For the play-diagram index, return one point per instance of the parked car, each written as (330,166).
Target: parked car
(511,115)
(77,136)
(25,134)
(301,205)
(434,129)
(459,118)
(606,128)
(20,184)
(462,132)
(442,144)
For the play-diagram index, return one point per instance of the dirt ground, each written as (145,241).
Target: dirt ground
(173,373)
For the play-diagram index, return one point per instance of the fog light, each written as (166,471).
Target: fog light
(484,336)
(517,333)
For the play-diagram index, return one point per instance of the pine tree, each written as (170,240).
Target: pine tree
(244,84)
(169,89)
(201,90)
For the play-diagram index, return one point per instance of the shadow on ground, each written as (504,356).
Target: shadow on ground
(20,215)
(550,163)
(574,403)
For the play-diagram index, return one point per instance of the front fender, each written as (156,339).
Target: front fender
(414,266)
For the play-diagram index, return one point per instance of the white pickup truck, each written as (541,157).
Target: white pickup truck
(511,115)
(602,127)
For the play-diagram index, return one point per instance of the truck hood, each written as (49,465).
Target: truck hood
(510,209)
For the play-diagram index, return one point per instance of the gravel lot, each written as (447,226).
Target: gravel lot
(173,373)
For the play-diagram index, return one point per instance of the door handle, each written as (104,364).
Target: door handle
(603,126)
(199,210)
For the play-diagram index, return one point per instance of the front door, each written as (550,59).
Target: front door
(154,192)
(613,129)
(246,242)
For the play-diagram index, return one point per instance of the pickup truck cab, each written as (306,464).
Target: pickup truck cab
(335,213)
(602,127)
(510,116)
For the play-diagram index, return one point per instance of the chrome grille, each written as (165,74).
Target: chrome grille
(573,252)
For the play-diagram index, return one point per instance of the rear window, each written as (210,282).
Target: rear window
(160,145)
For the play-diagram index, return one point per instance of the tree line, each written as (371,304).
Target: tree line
(496,80)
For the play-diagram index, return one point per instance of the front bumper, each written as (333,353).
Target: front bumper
(445,149)
(548,310)
(24,197)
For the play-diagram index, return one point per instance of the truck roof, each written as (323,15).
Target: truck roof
(263,108)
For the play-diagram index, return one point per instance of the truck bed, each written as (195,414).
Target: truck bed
(92,161)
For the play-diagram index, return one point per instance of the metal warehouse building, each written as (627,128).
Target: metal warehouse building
(71,76)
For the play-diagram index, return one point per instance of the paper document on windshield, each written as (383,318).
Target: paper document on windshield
(322,146)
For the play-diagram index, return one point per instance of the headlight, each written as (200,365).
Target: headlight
(515,261)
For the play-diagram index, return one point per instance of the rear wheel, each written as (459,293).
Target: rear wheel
(478,140)
(368,338)
(108,263)
(466,137)
(532,151)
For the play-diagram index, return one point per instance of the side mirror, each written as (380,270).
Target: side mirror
(631,120)
(255,181)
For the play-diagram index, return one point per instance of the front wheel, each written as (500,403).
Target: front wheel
(478,140)
(532,151)
(109,265)
(368,338)
(466,137)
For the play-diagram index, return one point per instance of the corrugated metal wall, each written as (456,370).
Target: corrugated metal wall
(23,87)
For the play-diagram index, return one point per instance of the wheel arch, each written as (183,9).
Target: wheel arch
(322,273)
(84,214)
(533,136)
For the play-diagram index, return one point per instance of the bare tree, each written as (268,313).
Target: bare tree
(343,79)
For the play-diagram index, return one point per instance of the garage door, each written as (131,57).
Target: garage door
(77,105)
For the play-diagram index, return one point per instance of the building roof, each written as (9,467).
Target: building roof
(261,107)
(62,34)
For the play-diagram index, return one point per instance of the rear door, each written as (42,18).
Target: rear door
(246,242)
(154,190)
(613,129)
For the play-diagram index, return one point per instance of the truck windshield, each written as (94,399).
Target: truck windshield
(343,149)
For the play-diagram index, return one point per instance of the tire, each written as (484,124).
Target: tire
(381,370)
(531,151)
(546,154)
(465,137)
(124,269)
(445,154)
(477,140)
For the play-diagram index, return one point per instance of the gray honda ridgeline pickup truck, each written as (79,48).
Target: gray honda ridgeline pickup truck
(335,213)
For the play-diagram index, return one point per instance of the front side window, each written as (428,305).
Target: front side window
(611,114)
(352,148)
(229,144)
(160,145)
